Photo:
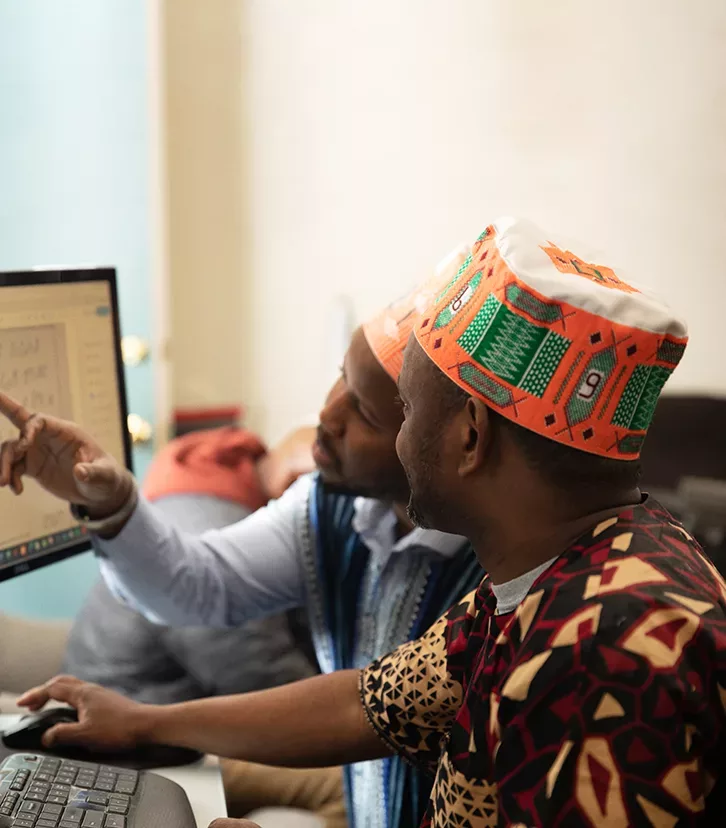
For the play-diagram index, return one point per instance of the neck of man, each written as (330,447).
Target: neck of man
(524,534)
(404,524)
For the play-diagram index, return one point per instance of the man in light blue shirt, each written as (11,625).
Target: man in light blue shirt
(339,543)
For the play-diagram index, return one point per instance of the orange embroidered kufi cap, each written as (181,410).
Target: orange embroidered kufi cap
(388,333)
(557,344)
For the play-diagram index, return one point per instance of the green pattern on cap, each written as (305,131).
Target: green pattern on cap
(458,302)
(459,273)
(671,352)
(485,385)
(537,308)
(631,444)
(637,404)
(590,385)
(515,350)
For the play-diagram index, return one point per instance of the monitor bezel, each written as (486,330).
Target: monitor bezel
(64,275)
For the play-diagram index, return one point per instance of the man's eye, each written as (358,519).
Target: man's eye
(361,414)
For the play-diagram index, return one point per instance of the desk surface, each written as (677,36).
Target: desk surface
(201,781)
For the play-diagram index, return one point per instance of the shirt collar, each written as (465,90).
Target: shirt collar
(376,521)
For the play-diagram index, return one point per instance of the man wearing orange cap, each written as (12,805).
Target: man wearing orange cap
(339,544)
(583,682)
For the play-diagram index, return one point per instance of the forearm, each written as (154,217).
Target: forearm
(217,579)
(312,723)
(162,572)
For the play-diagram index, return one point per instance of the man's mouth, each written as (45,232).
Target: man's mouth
(323,455)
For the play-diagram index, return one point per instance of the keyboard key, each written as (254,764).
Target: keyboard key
(30,807)
(23,823)
(46,823)
(65,824)
(93,819)
(20,780)
(97,798)
(125,787)
(35,797)
(57,799)
(117,809)
(72,814)
(114,821)
(43,777)
(55,810)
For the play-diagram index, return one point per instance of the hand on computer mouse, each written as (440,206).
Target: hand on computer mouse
(64,459)
(107,721)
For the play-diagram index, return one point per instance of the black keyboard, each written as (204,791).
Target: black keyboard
(43,792)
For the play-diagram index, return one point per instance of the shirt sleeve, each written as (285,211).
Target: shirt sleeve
(614,733)
(409,697)
(220,578)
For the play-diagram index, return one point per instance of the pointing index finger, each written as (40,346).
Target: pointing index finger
(15,411)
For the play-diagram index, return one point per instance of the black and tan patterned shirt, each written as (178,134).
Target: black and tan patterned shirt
(599,701)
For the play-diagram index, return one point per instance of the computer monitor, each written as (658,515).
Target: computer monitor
(60,354)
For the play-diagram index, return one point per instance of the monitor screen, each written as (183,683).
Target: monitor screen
(59,354)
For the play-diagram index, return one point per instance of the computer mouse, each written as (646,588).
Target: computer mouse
(27,734)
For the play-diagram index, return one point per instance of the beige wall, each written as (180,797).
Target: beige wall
(380,134)
(207,199)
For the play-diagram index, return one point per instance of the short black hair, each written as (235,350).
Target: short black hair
(567,468)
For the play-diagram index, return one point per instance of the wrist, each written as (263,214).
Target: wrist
(144,724)
(103,522)
(125,490)
(155,725)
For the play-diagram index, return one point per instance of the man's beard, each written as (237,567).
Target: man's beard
(360,490)
(416,516)
(419,501)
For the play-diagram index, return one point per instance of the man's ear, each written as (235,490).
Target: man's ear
(475,436)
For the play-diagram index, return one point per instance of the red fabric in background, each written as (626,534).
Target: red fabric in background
(220,462)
